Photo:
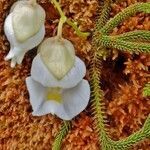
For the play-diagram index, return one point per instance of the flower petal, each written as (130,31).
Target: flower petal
(75,101)
(48,107)
(36,92)
(40,73)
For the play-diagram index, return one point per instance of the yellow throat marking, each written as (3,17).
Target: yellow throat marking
(54,94)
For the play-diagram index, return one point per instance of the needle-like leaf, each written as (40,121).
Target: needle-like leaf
(60,136)
(125,14)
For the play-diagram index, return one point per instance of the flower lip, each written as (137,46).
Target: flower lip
(40,73)
(58,55)
(54,94)
(74,100)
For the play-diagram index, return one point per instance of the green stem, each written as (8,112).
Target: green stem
(143,133)
(69,22)
(60,26)
(125,14)
(112,42)
(75,27)
(97,100)
(95,77)
(58,8)
(103,18)
(60,136)
(140,35)
(99,117)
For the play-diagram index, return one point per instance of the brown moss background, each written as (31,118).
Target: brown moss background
(123,78)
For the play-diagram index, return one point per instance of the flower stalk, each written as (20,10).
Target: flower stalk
(60,26)
(68,21)
(75,27)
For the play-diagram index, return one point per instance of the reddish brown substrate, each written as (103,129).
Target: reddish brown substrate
(122,80)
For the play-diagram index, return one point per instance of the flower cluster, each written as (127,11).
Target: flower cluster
(56,84)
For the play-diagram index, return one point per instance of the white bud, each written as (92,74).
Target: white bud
(58,55)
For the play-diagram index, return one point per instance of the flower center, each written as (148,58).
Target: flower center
(54,94)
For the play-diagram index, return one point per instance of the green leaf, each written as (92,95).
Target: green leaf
(101,21)
(104,15)
(143,133)
(97,100)
(140,35)
(60,136)
(114,42)
(125,14)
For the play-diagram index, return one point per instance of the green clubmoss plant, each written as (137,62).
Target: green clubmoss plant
(124,42)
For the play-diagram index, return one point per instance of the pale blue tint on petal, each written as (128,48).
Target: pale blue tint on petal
(75,101)
(48,107)
(36,92)
(38,101)
(40,73)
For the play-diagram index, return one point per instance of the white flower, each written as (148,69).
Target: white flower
(24,29)
(65,97)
